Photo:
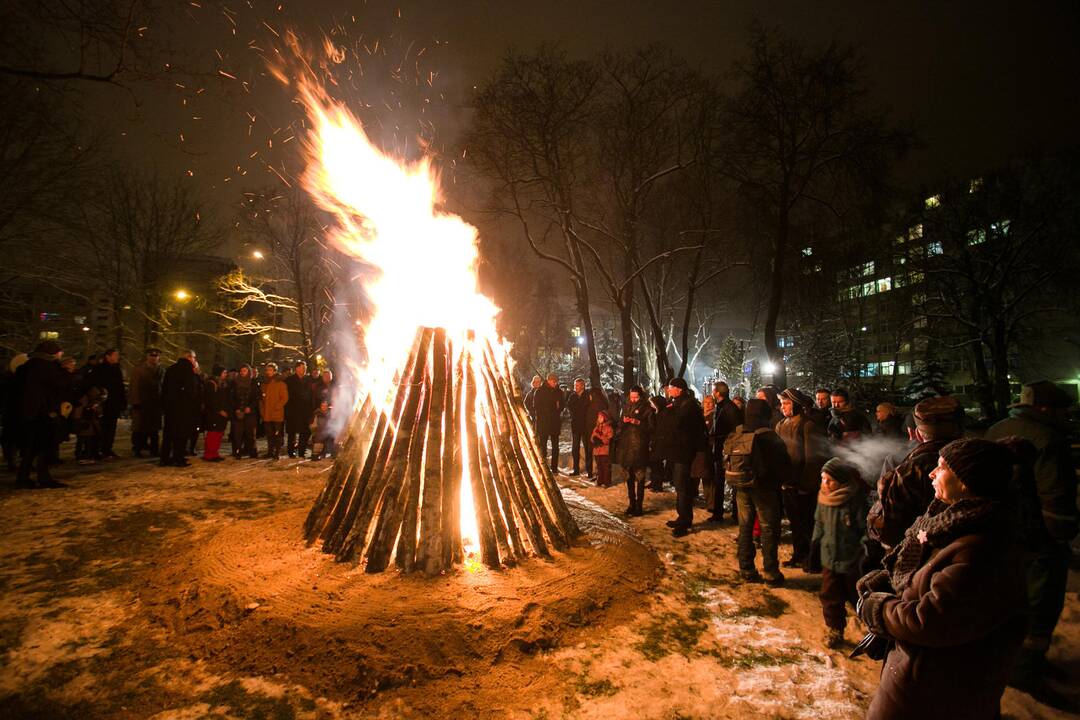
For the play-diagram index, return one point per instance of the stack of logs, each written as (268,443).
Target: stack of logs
(395,488)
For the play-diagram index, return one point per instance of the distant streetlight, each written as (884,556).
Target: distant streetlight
(182,295)
(581,341)
(768,367)
(257,255)
(266,336)
(85,329)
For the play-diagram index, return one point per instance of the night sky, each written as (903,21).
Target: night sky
(979,82)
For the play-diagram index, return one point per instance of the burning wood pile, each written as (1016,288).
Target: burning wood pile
(450,466)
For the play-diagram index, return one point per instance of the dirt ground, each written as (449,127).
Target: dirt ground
(143,592)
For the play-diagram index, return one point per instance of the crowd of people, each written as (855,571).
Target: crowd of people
(954,555)
(48,400)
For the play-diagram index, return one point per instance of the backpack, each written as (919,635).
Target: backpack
(738,459)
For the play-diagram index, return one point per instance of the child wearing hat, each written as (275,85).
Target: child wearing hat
(839,525)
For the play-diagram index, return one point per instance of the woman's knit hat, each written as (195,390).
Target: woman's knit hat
(841,471)
(983,466)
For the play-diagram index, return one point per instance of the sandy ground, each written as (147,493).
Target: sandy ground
(144,592)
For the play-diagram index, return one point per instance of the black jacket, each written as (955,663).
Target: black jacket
(578,408)
(216,399)
(680,431)
(110,377)
(39,384)
(300,409)
(180,398)
(549,407)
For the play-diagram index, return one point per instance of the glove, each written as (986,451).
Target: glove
(870,609)
(874,581)
(872,646)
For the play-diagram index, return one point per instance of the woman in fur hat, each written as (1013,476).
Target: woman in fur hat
(950,599)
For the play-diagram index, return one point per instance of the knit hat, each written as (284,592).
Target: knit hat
(48,347)
(985,467)
(938,410)
(1045,393)
(841,471)
(679,383)
(798,397)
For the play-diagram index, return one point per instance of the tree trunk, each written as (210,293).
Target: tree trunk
(999,353)
(776,291)
(983,387)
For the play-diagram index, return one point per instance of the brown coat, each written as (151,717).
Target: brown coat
(275,394)
(805,444)
(957,626)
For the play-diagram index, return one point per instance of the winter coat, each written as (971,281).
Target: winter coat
(891,427)
(549,406)
(109,377)
(957,618)
(904,494)
(680,431)
(245,394)
(216,400)
(726,417)
(181,398)
(601,439)
(300,408)
(805,444)
(145,398)
(1055,476)
(38,385)
(578,408)
(530,404)
(840,530)
(635,434)
(321,391)
(275,395)
(845,424)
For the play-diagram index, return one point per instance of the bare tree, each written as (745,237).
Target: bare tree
(289,300)
(797,131)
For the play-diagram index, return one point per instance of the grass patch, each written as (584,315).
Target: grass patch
(769,606)
(248,705)
(598,688)
(757,658)
(671,633)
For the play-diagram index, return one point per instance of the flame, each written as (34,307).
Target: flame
(388,215)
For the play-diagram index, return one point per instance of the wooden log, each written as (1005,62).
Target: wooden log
(408,536)
(489,551)
(344,516)
(351,458)
(429,547)
(352,536)
(499,501)
(528,508)
(451,462)
(391,510)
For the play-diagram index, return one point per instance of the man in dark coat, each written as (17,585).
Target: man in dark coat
(632,451)
(182,402)
(680,434)
(299,411)
(109,377)
(757,476)
(530,401)
(577,405)
(9,412)
(904,492)
(145,401)
(726,417)
(1040,418)
(38,384)
(847,422)
(549,406)
(890,423)
(805,444)
(245,404)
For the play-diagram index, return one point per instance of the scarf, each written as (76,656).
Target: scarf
(838,497)
(939,526)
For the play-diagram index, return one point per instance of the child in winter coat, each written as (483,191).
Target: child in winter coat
(839,525)
(601,442)
(322,439)
(87,415)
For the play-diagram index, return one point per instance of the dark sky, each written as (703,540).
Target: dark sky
(979,81)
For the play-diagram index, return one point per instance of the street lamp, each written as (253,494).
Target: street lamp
(768,367)
(257,254)
(181,295)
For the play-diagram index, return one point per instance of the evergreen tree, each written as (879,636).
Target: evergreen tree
(928,380)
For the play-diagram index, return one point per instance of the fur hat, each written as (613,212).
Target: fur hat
(985,467)
(938,410)
(841,471)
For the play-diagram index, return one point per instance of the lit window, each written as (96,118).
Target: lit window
(905,347)
(900,240)
(872,369)
(575,331)
(1001,227)
(49,335)
(884,284)
(915,278)
(901,261)
(807,251)
(935,248)
(904,369)
(976,237)
(887,367)
(975,186)
(933,201)
(915,232)
(80,319)
(920,322)
(868,269)
(869,288)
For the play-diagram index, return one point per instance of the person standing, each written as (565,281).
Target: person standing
(245,407)
(110,377)
(848,422)
(577,405)
(322,390)
(38,384)
(275,396)
(145,402)
(839,525)
(10,413)
(299,411)
(821,412)
(890,424)
(805,443)
(680,434)
(1041,418)
(756,463)
(549,406)
(951,594)
(632,450)
(216,406)
(600,439)
(530,401)
(182,405)
(726,417)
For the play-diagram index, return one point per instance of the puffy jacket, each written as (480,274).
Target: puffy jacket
(275,395)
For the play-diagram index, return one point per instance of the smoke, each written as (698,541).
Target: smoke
(868,453)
